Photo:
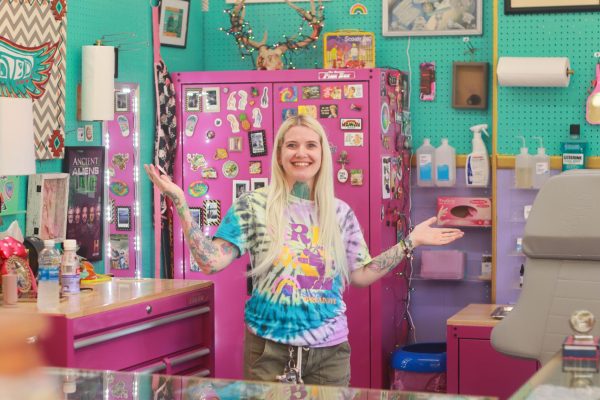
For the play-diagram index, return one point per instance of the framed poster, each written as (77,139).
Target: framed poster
(432,18)
(85,166)
(173,25)
(549,6)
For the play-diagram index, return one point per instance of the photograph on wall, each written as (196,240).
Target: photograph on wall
(258,183)
(212,213)
(258,143)
(119,251)
(9,194)
(549,6)
(192,99)
(432,18)
(173,25)
(211,99)
(85,166)
(196,213)
(121,101)
(124,218)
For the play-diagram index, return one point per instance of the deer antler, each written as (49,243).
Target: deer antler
(270,58)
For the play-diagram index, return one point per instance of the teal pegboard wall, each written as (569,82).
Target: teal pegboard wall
(435,119)
(547,112)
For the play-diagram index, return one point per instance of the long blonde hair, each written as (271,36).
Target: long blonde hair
(278,196)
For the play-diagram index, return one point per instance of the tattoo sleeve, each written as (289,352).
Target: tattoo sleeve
(389,259)
(209,256)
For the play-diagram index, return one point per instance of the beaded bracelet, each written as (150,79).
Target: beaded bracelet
(407,247)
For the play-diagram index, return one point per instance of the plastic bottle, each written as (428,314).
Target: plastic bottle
(425,163)
(445,164)
(574,150)
(48,272)
(477,169)
(540,170)
(69,274)
(523,168)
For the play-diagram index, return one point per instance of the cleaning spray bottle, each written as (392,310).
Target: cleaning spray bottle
(477,169)
(540,171)
(523,167)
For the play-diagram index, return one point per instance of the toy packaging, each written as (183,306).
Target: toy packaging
(349,49)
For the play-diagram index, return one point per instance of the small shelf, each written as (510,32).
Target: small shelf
(467,279)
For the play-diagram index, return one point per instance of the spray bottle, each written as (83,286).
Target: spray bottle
(540,171)
(477,170)
(523,167)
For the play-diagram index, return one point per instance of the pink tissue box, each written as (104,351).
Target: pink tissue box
(464,211)
(442,264)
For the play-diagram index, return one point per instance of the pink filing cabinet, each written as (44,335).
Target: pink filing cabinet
(141,325)
(473,366)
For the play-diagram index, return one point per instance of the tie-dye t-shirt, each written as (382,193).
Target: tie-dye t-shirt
(298,302)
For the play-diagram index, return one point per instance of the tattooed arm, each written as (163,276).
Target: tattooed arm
(210,255)
(423,234)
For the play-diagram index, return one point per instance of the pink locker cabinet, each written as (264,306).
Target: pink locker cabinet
(362,112)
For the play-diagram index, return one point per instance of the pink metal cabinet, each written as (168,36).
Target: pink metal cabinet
(376,314)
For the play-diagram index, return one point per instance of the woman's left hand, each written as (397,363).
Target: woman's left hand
(425,234)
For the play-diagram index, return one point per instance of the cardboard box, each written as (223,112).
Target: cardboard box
(349,49)
(47,197)
(464,211)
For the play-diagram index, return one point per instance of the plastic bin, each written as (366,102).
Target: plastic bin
(420,367)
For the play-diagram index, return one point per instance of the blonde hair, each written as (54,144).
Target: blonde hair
(278,197)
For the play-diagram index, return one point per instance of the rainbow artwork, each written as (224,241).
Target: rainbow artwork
(358,8)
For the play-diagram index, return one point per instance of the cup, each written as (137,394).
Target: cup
(9,289)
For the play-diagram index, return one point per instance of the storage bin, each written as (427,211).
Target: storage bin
(420,367)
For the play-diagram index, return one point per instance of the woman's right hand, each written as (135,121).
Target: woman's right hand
(164,183)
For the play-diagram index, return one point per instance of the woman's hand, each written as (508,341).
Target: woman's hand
(425,234)
(164,183)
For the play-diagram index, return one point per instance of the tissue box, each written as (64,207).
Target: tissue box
(464,211)
(442,264)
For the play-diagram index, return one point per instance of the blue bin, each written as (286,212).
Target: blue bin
(420,367)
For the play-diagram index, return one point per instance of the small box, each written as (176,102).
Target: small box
(442,264)
(464,211)
(349,49)
(47,196)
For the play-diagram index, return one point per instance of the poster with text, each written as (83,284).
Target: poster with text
(85,166)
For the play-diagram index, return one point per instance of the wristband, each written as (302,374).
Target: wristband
(407,247)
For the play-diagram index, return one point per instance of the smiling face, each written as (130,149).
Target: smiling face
(300,155)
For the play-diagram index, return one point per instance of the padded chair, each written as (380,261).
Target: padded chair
(562,270)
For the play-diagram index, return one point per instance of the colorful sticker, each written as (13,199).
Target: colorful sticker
(350,124)
(190,125)
(288,94)
(123,125)
(197,189)
(311,92)
(288,112)
(243,99)
(386,177)
(264,99)
(358,9)
(119,188)
(209,173)
(220,154)
(353,139)
(210,134)
(353,91)
(310,110)
(342,175)
(385,117)
(328,111)
(427,83)
(255,168)
(231,101)
(233,122)
(196,161)
(120,160)
(356,177)
(257,117)
(245,122)
(332,92)
(230,169)
(218,122)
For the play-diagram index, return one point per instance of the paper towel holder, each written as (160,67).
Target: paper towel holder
(520,71)
(95,100)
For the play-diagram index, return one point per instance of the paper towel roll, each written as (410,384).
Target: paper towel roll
(98,83)
(533,71)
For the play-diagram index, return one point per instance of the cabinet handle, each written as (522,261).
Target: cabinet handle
(202,373)
(148,309)
(180,359)
(153,369)
(81,343)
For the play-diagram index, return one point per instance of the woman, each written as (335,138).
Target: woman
(305,245)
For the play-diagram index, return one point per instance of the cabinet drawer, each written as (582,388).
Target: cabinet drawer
(146,340)
(196,362)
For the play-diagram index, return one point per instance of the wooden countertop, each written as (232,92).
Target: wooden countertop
(474,315)
(118,292)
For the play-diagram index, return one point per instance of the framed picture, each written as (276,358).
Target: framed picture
(211,99)
(257,183)
(192,99)
(121,102)
(255,168)
(123,218)
(212,213)
(432,18)
(258,143)
(173,25)
(239,188)
(549,6)
(196,213)
(235,143)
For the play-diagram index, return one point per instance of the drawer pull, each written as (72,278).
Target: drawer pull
(148,309)
(180,359)
(153,369)
(202,373)
(81,343)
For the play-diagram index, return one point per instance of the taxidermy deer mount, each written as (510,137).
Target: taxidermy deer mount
(270,57)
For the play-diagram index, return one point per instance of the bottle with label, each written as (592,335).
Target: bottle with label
(425,163)
(540,171)
(574,150)
(445,164)
(523,168)
(48,273)
(69,274)
(477,169)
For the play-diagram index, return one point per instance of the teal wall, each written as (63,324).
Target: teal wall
(528,111)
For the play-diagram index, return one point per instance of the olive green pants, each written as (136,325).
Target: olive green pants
(265,359)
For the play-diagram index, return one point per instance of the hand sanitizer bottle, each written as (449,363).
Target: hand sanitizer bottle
(523,168)
(425,163)
(445,164)
(540,169)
